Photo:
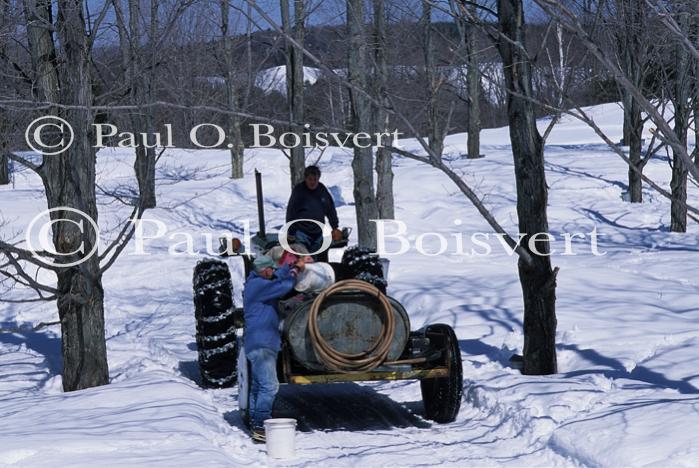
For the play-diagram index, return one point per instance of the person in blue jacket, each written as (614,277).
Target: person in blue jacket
(263,288)
(310,199)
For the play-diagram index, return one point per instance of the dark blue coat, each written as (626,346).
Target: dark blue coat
(260,304)
(310,204)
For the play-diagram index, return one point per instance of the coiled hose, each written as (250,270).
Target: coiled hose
(359,362)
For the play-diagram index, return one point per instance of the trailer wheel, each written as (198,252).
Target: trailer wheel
(216,332)
(442,396)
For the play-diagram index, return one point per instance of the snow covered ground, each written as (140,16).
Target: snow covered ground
(628,325)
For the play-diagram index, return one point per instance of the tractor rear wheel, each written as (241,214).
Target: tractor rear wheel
(363,264)
(442,396)
(216,332)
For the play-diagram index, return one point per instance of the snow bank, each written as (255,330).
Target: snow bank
(628,325)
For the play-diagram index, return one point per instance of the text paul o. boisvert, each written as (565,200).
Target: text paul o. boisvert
(209,135)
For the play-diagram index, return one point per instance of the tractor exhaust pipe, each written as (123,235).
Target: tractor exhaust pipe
(260,205)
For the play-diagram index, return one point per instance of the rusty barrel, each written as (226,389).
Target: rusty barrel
(350,322)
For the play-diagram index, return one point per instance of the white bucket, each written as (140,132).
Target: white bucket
(280,433)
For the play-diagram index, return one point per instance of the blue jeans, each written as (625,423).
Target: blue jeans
(312,244)
(264,385)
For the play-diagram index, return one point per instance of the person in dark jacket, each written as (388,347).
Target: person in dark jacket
(311,200)
(263,288)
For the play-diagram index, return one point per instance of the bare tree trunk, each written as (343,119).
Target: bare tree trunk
(633,129)
(695,97)
(295,84)
(4,123)
(695,104)
(537,279)
(626,100)
(145,95)
(467,44)
(632,49)
(384,170)
(436,130)
(43,52)
(4,168)
(362,167)
(237,147)
(678,183)
(695,111)
(248,53)
(69,180)
(473,79)
(142,94)
(344,106)
(331,106)
(141,80)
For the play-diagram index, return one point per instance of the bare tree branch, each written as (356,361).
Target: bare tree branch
(25,162)
(570,21)
(37,327)
(470,194)
(669,21)
(26,279)
(122,239)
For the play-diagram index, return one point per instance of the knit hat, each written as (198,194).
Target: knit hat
(262,262)
(277,252)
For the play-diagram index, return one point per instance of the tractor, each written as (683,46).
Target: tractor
(349,332)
